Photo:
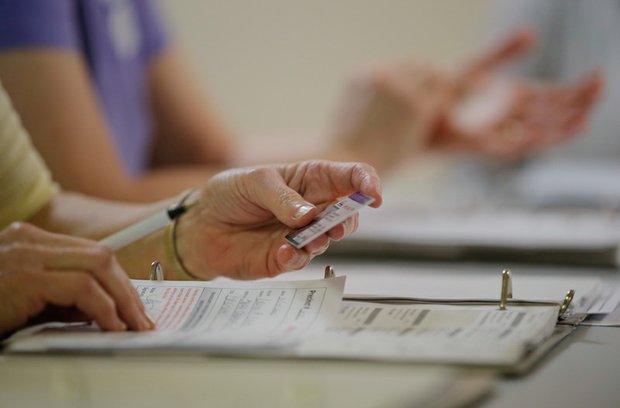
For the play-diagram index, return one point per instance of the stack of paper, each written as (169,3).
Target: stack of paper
(565,237)
(308,319)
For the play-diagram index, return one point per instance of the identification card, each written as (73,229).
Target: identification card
(329,218)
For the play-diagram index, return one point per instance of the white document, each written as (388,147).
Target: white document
(494,228)
(567,237)
(438,283)
(218,315)
(434,333)
(605,308)
(308,319)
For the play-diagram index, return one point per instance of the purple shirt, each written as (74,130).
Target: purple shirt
(117,39)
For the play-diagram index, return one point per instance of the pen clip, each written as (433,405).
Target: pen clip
(329,272)
(157,272)
(506,292)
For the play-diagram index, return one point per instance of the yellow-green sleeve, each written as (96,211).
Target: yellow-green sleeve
(25,182)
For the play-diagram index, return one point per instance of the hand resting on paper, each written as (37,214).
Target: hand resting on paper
(46,276)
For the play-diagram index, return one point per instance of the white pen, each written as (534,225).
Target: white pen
(143,228)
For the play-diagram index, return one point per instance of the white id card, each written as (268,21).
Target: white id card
(329,218)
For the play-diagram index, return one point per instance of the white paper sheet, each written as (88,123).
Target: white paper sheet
(433,333)
(493,228)
(221,314)
(308,319)
(392,279)
(605,308)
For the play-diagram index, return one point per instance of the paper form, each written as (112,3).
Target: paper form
(252,309)
(309,319)
(433,333)
(605,307)
(219,314)
(519,229)
(440,283)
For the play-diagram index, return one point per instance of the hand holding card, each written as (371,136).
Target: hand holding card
(329,218)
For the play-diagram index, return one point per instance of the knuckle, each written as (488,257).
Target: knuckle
(312,166)
(285,197)
(260,174)
(19,249)
(316,172)
(362,170)
(19,230)
(108,308)
(103,255)
(354,225)
(87,286)
(25,277)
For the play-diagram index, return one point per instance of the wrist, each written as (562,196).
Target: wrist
(178,212)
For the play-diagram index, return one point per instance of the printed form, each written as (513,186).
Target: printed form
(213,315)
(309,319)
(241,310)
(434,333)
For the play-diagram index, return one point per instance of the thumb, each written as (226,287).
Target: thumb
(286,204)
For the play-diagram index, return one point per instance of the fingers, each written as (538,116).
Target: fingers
(103,267)
(24,232)
(591,87)
(554,113)
(344,229)
(540,116)
(26,293)
(317,247)
(74,288)
(289,258)
(389,113)
(321,181)
(347,178)
(515,45)
(29,249)
(270,191)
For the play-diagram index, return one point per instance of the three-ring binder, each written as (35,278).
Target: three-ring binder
(157,271)
(506,294)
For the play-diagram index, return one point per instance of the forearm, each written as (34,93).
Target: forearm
(165,182)
(47,88)
(75,214)
(188,128)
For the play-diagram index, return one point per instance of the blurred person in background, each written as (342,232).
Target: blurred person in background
(110,105)
(572,38)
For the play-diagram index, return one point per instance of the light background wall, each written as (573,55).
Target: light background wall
(276,68)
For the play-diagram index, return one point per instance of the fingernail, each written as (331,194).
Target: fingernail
(295,261)
(302,210)
(150,322)
(122,326)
